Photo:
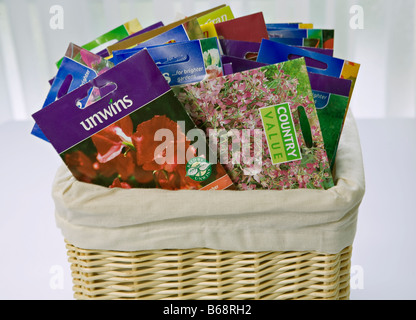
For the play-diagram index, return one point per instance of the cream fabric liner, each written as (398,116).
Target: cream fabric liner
(94,217)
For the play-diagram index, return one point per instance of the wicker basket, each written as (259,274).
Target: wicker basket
(209,274)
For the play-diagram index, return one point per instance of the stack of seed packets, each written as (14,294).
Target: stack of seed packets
(213,101)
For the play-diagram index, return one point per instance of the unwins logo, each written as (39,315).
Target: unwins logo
(198,169)
(107,113)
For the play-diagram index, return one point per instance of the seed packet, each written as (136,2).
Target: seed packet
(190,24)
(249,50)
(177,34)
(104,53)
(216,16)
(208,30)
(111,37)
(193,29)
(328,52)
(78,67)
(328,38)
(272,52)
(136,135)
(183,62)
(251,28)
(331,96)
(261,110)
(239,64)
(290,25)
(318,38)
(208,21)
(240,49)
(298,42)
(189,30)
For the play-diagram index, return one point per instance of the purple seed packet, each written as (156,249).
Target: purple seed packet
(240,49)
(112,142)
(238,64)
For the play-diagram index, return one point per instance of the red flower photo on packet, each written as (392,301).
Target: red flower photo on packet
(132,154)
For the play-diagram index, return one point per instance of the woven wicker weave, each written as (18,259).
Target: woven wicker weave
(209,274)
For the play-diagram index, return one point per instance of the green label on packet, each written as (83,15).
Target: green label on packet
(217,16)
(280,133)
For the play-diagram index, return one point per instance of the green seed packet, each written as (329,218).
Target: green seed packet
(331,97)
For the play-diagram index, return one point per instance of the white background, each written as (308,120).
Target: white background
(33,259)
